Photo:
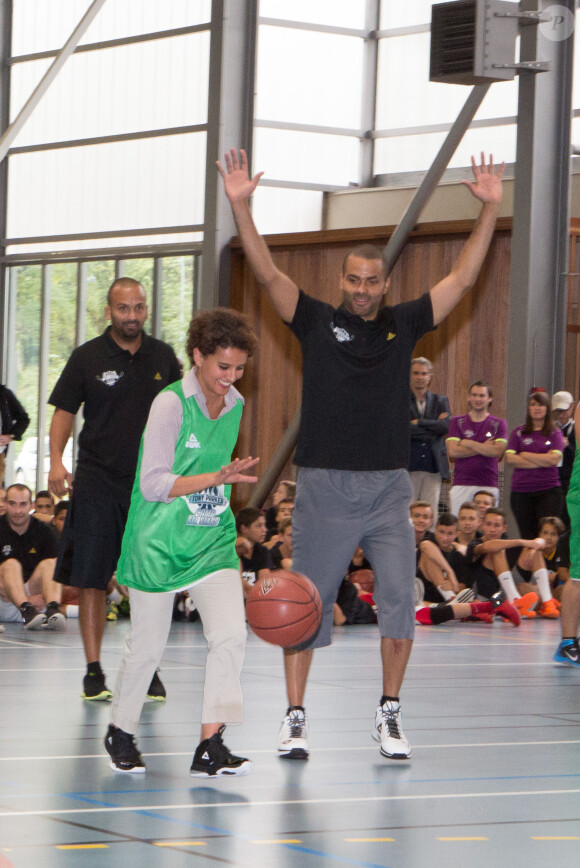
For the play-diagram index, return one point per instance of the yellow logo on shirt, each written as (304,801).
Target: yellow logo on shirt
(32,551)
(157,376)
(391,335)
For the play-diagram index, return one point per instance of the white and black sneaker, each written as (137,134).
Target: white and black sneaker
(121,747)
(464,596)
(55,620)
(292,743)
(212,759)
(389,732)
(33,619)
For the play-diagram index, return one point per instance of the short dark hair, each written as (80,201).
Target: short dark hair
(468,504)
(284,500)
(368,252)
(486,492)
(19,486)
(220,327)
(247,516)
(481,385)
(122,281)
(61,506)
(494,510)
(43,493)
(446,519)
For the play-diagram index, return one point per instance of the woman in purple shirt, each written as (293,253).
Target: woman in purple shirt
(535,450)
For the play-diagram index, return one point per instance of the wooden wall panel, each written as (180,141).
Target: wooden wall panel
(470,345)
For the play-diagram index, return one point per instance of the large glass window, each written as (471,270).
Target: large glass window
(45,25)
(118,186)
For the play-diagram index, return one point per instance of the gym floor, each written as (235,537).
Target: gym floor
(494,777)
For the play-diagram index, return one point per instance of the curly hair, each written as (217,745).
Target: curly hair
(220,327)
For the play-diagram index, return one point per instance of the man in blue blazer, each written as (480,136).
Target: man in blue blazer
(430,414)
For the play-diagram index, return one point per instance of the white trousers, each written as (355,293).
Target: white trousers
(220,603)
(459,494)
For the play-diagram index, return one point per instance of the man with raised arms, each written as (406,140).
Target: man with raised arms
(353,444)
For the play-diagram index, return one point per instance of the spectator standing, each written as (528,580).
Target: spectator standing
(14,422)
(116,377)
(535,450)
(476,442)
(563,413)
(430,415)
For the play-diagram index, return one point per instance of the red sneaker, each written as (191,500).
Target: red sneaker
(505,609)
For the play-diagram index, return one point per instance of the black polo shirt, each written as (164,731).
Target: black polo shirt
(116,389)
(36,544)
(355,389)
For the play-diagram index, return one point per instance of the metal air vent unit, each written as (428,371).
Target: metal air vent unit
(470,38)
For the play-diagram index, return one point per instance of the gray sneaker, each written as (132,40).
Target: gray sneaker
(33,619)
(55,620)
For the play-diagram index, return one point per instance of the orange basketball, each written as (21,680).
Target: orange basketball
(285,609)
(365,579)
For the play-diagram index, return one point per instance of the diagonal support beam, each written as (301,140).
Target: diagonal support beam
(49,76)
(399,237)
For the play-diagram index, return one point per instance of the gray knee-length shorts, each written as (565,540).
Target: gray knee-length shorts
(337,510)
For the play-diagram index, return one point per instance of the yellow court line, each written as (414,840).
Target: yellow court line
(179,843)
(554,838)
(82,846)
(367,840)
(280,841)
(463,839)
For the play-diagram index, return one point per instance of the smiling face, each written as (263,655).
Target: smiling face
(127,310)
(363,286)
(479,399)
(217,372)
(421,518)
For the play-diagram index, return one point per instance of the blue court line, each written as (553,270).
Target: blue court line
(87,796)
(249,838)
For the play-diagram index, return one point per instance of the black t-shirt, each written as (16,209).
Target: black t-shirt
(261,560)
(355,390)
(36,544)
(117,389)
(482,579)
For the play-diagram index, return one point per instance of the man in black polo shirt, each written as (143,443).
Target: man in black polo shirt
(116,377)
(27,561)
(353,443)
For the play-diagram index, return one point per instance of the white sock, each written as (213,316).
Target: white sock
(508,585)
(543,581)
(447,595)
